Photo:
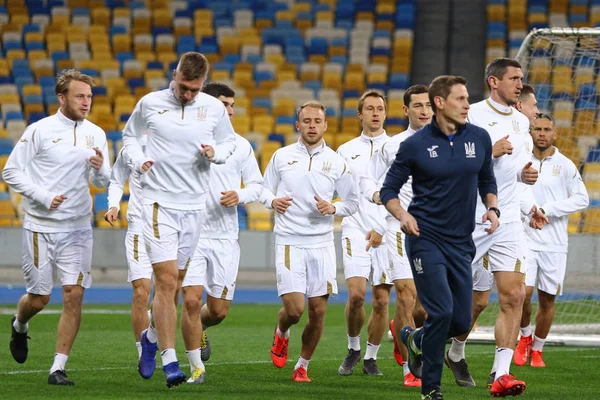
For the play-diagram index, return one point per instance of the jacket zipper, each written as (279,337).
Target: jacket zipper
(182,108)
(75,135)
(371,149)
(310,162)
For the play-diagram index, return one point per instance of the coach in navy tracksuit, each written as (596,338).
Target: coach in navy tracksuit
(449,160)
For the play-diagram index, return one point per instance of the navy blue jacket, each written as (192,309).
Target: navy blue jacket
(446,175)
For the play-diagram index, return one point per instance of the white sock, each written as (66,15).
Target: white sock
(168,356)
(302,363)
(139,349)
(457,350)
(354,342)
(504,357)
(371,352)
(195,360)
(405,368)
(150,316)
(60,361)
(526,331)
(151,334)
(495,365)
(19,327)
(538,344)
(284,335)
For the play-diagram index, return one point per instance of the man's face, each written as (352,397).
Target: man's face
(77,102)
(312,125)
(228,102)
(528,106)
(509,86)
(456,107)
(185,90)
(419,111)
(543,134)
(373,114)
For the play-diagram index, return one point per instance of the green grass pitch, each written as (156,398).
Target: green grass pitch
(103,364)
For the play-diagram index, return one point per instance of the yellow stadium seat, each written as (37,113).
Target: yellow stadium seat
(162,17)
(286,129)
(121,43)
(263,124)
(243,79)
(31,89)
(539,73)
(101,16)
(350,103)
(229,45)
(342,138)
(332,80)
(267,150)
(354,81)
(496,13)
(574,222)
(7,213)
(31,108)
(34,55)
(284,106)
(561,80)
(591,222)
(241,124)
(333,124)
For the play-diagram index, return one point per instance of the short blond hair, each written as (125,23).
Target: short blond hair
(370,93)
(66,76)
(311,104)
(192,65)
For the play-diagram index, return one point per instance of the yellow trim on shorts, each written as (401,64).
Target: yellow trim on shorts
(329,288)
(155,221)
(36,250)
(80,279)
(224,293)
(136,247)
(383,277)
(348,247)
(399,243)
(287,257)
(558,290)
(486,261)
(518,265)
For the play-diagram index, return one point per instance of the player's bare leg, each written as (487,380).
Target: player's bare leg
(355,319)
(289,314)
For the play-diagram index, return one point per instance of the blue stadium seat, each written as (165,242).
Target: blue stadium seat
(586,97)
(593,155)
(260,76)
(114,135)
(277,137)
(33,99)
(242,217)
(101,202)
(36,116)
(543,95)
(317,46)
(136,83)
(263,102)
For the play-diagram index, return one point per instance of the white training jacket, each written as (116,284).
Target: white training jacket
(222,222)
(293,172)
(374,175)
(357,153)
(559,191)
(499,121)
(122,170)
(179,178)
(52,158)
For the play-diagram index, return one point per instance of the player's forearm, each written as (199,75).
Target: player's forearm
(23,185)
(490,200)
(566,207)
(250,193)
(395,208)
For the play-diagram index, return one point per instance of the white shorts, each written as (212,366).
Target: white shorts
(69,252)
(503,250)
(549,268)
(215,266)
(399,264)
(138,264)
(170,234)
(372,265)
(306,269)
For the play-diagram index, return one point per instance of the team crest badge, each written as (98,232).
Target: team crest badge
(556,170)
(327,167)
(202,111)
(515,126)
(89,141)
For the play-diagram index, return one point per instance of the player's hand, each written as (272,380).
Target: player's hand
(207,151)
(529,175)
(230,198)
(373,239)
(146,166)
(408,224)
(493,218)
(502,147)
(324,207)
(538,219)
(281,204)
(57,201)
(111,216)
(377,198)
(97,160)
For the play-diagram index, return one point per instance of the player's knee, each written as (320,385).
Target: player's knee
(356,299)
(406,300)
(294,316)
(380,304)
(513,298)
(39,301)
(140,296)
(480,304)
(218,315)
(192,302)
